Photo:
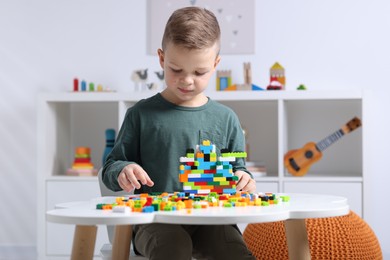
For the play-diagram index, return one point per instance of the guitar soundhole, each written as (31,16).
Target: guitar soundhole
(308,154)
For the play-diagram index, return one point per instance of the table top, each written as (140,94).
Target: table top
(300,206)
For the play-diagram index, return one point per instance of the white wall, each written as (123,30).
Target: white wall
(44,44)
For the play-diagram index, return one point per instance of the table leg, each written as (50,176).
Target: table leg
(121,243)
(84,242)
(297,240)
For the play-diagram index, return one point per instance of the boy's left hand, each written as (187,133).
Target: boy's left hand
(245,182)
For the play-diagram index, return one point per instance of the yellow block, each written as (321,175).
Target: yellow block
(206,142)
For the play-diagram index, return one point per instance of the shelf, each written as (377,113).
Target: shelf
(275,121)
(284,95)
(72,178)
(323,179)
(216,95)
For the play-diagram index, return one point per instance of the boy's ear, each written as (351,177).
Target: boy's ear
(217,60)
(160,53)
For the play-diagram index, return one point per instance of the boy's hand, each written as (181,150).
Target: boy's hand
(245,182)
(131,176)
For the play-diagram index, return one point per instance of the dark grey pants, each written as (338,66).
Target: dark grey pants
(182,242)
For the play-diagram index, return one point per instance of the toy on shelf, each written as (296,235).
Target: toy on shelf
(257,169)
(161,75)
(301,87)
(82,87)
(299,161)
(110,141)
(141,78)
(202,172)
(148,203)
(277,77)
(224,80)
(82,165)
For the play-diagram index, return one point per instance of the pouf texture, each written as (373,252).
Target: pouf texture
(345,237)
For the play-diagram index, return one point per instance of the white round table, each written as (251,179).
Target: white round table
(85,216)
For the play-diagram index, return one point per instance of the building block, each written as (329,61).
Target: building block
(209,173)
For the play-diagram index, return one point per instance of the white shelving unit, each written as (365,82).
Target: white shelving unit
(276,121)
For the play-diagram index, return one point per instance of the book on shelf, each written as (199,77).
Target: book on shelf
(257,169)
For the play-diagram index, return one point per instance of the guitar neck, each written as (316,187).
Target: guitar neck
(347,128)
(329,140)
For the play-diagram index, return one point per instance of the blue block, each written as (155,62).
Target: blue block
(255,87)
(229,191)
(181,194)
(206,165)
(206,149)
(200,179)
(148,209)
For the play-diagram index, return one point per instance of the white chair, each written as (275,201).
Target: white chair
(106,249)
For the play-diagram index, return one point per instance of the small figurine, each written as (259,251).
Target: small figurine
(139,77)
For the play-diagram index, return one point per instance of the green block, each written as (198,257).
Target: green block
(168,208)
(213,194)
(285,198)
(156,206)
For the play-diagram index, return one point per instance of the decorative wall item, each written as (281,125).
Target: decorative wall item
(236,19)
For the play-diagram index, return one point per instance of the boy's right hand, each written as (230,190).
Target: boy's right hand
(131,176)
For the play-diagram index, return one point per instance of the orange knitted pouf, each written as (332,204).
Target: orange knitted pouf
(346,237)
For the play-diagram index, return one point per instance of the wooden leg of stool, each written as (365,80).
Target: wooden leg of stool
(122,240)
(84,242)
(297,240)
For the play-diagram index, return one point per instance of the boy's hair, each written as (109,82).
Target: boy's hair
(192,28)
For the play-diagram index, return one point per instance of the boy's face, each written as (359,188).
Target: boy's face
(187,73)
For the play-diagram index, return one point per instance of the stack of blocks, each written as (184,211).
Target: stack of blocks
(82,164)
(202,173)
(82,158)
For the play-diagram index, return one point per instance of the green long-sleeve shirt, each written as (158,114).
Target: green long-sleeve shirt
(156,133)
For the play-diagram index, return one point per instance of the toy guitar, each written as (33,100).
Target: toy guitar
(299,161)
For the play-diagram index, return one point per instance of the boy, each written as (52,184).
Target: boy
(157,131)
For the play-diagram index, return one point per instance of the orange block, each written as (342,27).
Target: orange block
(183,177)
(199,155)
(162,205)
(188,204)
